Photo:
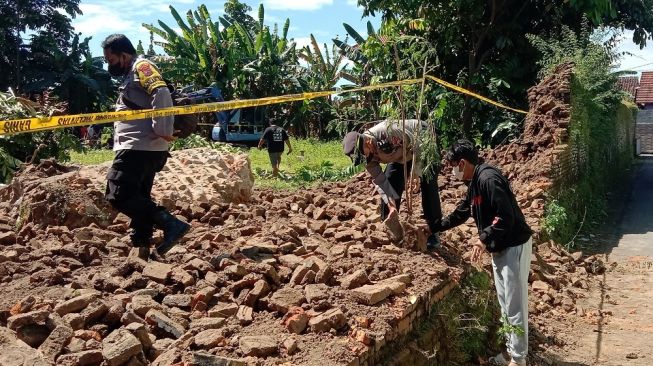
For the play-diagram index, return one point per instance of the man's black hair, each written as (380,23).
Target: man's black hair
(119,43)
(463,149)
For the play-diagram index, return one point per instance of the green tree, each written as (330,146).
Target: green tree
(74,76)
(235,11)
(481,45)
(150,48)
(243,62)
(45,19)
(323,71)
(139,48)
(31,147)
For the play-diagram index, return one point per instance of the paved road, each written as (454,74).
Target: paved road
(635,233)
(624,336)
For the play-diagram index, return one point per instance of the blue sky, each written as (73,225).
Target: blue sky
(322,18)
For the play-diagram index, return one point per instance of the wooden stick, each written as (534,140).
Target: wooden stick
(403,131)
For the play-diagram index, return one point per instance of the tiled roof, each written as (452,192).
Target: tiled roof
(628,84)
(645,91)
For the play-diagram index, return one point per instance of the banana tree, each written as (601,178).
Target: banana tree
(322,72)
(72,74)
(201,54)
(244,61)
(272,58)
(359,107)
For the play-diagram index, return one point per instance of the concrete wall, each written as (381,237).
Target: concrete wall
(644,130)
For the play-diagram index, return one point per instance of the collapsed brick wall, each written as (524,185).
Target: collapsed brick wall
(301,277)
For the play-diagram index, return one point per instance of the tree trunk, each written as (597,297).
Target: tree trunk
(467,107)
(467,117)
(18,42)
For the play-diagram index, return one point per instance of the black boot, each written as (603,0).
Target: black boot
(141,241)
(173,230)
(142,238)
(433,242)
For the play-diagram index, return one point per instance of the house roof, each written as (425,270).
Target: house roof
(629,84)
(645,91)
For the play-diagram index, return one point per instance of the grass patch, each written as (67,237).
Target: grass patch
(458,329)
(469,316)
(314,154)
(311,162)
(91,157)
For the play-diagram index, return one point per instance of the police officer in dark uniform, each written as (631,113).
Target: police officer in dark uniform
(141,147)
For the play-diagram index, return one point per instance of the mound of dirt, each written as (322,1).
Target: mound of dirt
(50,194)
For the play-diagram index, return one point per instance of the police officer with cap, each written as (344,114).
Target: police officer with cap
(141,147)
(384,144)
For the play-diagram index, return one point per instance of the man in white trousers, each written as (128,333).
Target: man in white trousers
(504,233)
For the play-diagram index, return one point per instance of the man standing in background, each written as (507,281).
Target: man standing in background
(275,137)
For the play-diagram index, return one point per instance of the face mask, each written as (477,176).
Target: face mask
(116,70)
(458,173)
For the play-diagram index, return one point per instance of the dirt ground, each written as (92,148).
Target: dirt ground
(617,328)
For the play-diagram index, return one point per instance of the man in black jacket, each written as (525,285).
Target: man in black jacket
(504,233)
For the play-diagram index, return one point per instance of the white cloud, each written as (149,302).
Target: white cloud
(268,18)
(302,41)
(297,4)
(635,58)
(353,3)
(101,19)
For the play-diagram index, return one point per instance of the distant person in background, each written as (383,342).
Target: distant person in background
(275,137)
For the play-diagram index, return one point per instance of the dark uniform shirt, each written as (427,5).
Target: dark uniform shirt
(274,137)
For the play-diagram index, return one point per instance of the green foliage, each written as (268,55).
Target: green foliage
(91,157)
(600,133)
(139,48)
(555,220)
(8,164)
(467,317)
(190,142)
(243,57)
(39,52)
(47,21)
(310,156)
(73,75)
(325,173)
(482,46)
(507,329)
(31,147)
(322,73)
(306,175)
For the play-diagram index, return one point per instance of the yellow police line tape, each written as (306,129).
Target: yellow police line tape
(472,94)
(36,124)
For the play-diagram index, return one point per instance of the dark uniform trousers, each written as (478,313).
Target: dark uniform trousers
(129,188)
(429,188)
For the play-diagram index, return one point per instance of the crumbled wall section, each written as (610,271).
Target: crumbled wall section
(51,194)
